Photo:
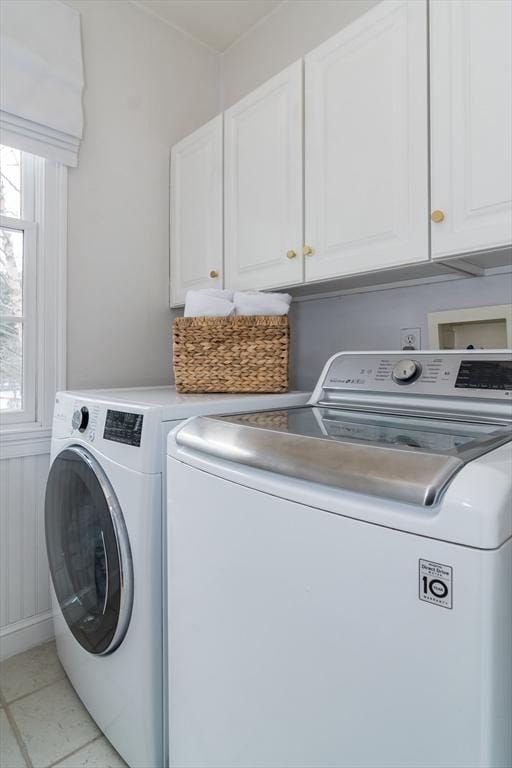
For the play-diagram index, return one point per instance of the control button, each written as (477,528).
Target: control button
(406,371)
(80,419)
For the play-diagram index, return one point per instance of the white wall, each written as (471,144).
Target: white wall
(286,35)
(147,86)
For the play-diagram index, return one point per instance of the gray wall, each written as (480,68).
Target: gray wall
(372,321)
(147,86)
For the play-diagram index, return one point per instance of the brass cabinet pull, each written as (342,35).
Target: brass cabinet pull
(307,250)
(291,255)
(437,216)
(214,274)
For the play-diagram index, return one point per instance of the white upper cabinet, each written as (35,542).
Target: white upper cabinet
(263,185)
(196,211)
(366,144)
(471,129)
(363,156)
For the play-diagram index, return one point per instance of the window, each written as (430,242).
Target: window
(17,287)
(32,272)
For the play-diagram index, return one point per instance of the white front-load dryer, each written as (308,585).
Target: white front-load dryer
(103,528)
(105,536)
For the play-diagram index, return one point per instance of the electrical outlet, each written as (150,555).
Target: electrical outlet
(410,338)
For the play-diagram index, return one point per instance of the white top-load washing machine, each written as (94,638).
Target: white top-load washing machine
(341,573)
(104,536)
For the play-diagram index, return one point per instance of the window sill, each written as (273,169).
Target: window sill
(21,440)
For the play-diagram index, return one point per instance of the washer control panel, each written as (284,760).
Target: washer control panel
(487,375)
(483,374)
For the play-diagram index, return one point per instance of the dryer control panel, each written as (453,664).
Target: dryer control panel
(123,427)
(481,374)
(129,435)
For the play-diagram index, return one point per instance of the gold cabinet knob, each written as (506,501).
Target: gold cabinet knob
(307,250)
(214,274)
(437,217)
(291,255)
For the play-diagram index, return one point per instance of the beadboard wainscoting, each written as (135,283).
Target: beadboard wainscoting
(25,616)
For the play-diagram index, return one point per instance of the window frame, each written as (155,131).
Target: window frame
(44,222)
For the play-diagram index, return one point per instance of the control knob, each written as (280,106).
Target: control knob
(80,419)
(406,371)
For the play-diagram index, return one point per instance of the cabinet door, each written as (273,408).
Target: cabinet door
(263,185)
(471,119)
(196,211)
(367,144)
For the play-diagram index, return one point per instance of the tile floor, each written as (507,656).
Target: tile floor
(42,721)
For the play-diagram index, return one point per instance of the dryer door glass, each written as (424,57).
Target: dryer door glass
(88,551)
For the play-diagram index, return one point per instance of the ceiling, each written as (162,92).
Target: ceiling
(215,23)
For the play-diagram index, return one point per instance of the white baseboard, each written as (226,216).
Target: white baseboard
(27,633)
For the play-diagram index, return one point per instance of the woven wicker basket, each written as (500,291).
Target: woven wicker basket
(231,354)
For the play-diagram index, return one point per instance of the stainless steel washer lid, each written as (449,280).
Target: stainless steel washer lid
(406,458)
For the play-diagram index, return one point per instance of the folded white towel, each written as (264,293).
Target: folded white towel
(201,304)
(263,296)
(212,302)
(270,308)
(217,293)
(259,303)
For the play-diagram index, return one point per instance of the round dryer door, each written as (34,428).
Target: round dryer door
(88,551)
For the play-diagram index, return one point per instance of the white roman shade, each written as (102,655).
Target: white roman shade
(41,78)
